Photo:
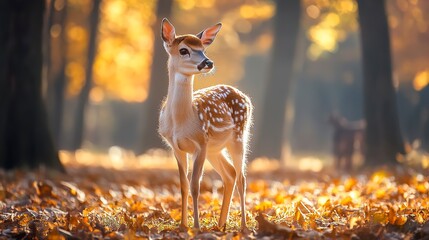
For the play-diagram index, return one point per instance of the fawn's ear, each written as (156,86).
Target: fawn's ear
(168,33)
(207,36)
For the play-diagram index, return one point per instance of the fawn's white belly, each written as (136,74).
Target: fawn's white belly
(190,141)
(219,141)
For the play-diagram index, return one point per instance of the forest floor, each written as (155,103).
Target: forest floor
(92,202)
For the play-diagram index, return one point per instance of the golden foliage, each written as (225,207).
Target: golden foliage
(125,48)
(421,80)
(408,31)
(258,11)
(333,20)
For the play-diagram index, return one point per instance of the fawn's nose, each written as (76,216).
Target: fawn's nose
(209,63)
(205,63)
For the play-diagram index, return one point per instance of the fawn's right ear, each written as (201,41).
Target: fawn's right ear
(168,33)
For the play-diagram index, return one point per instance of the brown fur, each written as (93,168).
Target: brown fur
(191,40)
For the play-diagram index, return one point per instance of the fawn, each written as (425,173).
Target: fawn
(348,137)
(210,123)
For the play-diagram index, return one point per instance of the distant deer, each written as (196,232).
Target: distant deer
(203,123)
(348,137)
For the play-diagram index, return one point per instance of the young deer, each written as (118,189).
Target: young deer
(348,137)
(204,123)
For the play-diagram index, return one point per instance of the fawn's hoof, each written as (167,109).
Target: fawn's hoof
(183,228)
(217,229)
(221,228)
(196,228)
(245,231)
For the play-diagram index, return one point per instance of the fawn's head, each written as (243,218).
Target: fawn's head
(186,52)
(336,120)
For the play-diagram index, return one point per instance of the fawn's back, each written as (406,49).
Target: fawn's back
(221,108)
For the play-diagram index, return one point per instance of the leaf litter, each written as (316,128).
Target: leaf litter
(101,203)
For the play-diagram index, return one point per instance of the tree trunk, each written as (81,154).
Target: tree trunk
(269,139)
(424,117)
(383,137)
(56,75)
(25,141)
(83,98)
(46,46)
(158,84)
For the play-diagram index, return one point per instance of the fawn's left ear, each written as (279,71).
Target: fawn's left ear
(207,36)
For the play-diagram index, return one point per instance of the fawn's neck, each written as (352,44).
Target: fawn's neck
(179,97)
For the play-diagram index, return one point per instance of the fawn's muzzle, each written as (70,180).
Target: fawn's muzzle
(205,63)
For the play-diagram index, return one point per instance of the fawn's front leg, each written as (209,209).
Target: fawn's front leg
(199,158)
(182,162)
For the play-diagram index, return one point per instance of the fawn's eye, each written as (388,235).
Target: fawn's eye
(184,51)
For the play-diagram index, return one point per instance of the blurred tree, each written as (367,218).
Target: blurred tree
(83,97)
(158,84)
(269,140)
(25,141)
(57,42)
(421,121)
(46,40)
(383,136)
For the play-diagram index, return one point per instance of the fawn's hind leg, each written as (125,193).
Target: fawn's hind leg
(237,152)
(226,171)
